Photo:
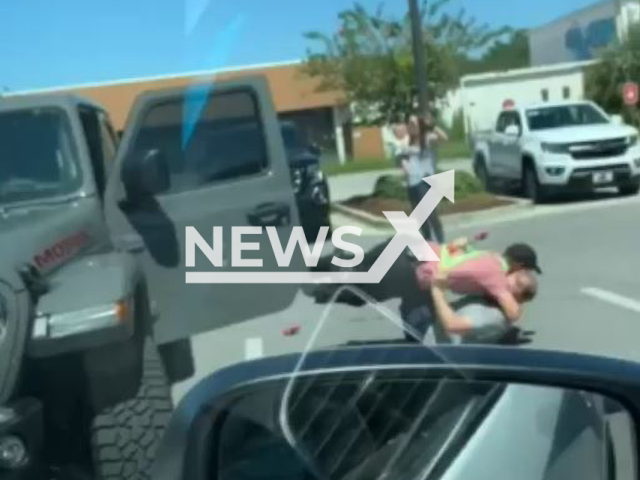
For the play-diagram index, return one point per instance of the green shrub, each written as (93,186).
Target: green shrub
(393,186)
(466,184)
(390,186)
(456,132)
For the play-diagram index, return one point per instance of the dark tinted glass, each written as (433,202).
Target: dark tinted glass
(564,116)
(224,140)
(38,158)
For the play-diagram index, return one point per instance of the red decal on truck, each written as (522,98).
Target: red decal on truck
(61,250)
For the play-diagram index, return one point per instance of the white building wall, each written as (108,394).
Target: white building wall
(449,106)
(483,96)
(629,15)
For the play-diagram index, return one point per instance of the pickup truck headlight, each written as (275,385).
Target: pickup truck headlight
(296,179)
(555,147)
(314,173)
(632,140)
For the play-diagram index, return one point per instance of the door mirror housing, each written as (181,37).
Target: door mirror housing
(147,175)
(512,131)
(445,411)
(616,119)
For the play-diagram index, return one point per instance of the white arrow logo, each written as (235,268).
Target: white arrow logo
(407,236)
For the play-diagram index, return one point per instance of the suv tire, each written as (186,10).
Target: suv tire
(531,185)
(125,437)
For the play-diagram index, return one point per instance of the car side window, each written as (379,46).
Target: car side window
(224,140)
(100,143)
(501,124)
(516,120)
(513,118)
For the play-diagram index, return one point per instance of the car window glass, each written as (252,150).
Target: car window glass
(348,430)
(515,119)
(502,122)
(291,137)
(225,142)
(511,119)
(35,169)
(564,116)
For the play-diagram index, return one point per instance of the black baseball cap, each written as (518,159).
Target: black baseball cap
(524,255)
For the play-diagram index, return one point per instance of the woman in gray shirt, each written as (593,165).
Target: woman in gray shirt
(417,165)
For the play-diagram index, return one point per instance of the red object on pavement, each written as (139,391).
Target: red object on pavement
(630,94)
(291,331)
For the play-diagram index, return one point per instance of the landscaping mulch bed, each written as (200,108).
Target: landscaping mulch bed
(473,203)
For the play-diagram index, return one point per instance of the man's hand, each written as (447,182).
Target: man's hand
(446,316)
(509,305)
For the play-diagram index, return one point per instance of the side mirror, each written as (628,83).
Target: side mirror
(512,131)
(616,119)
(408,412)
(147,175)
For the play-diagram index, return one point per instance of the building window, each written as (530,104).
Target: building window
(566,93)
(545,95)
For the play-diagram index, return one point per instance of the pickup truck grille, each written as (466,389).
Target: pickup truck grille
(596,150)
(618,169)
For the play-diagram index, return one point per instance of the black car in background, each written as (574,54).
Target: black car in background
(309,183)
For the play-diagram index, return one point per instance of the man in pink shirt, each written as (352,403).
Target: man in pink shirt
(466,270)
(470,319)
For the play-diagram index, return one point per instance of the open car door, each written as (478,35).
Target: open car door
(203,156)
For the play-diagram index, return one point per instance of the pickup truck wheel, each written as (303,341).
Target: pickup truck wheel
(483,175)
(531,185)
(125,437)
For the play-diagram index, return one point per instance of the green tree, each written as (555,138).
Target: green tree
(512,52)
(371,61)
(618,64)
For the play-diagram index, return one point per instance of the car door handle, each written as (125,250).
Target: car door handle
(270,214)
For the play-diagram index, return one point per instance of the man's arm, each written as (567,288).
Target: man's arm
(509,305)
(442,135)
(446,316)
(437,135)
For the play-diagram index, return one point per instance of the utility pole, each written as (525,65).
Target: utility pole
(420,67)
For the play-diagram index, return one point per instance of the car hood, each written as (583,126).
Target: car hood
(585,133)
(47,236)
(301,158)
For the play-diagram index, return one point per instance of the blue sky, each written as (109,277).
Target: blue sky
(46,43)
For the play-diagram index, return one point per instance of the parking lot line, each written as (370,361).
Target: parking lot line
(613,298)
(253,348)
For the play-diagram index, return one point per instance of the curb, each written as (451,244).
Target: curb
(368,218)
(455,220)
(460,220)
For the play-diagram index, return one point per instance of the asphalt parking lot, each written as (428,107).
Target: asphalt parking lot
(589,299)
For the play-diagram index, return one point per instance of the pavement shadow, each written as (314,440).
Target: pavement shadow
(559,198)
(508,190)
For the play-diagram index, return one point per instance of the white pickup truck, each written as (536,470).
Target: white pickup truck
(554,147)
